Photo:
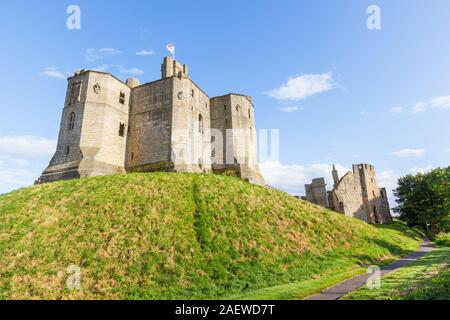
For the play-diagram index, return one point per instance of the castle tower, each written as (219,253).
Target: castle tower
(170,120)
(93,130)
(233,136)
(374,199)
(335,175)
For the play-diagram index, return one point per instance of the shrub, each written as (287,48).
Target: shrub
(443,239)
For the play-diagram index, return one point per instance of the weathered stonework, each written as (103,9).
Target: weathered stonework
(316,192)
(109,127)
(356,195)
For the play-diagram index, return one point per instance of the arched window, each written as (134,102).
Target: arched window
(71,124)
(200,124)
(238,108)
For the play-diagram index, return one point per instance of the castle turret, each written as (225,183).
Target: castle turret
(335,176)
(173,68)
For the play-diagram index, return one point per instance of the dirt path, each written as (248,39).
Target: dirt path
(341,289)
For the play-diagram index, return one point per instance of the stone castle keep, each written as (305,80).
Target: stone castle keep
(109,126)
(356,195)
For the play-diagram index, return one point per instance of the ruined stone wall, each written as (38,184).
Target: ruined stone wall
(375,205)
(316,192)
(347,196)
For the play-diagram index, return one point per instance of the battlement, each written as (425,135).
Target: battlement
(173,68)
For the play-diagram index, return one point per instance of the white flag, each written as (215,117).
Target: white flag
(171,48)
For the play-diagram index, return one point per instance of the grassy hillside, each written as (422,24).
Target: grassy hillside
(168,235)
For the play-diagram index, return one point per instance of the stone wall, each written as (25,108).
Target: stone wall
(316,192)
(149,137)
(356,195)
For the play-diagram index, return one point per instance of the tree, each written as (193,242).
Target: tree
(424,200)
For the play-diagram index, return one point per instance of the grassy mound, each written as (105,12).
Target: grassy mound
(169,235)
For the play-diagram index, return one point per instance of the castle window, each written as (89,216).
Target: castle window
(200,124)
(71,124)
(192,93)
(224,107)
(67,150)
(373,193)
(132,156)
(122,98)
(249,114)
(206,105)
(226,121)
(122,129)
(238,108)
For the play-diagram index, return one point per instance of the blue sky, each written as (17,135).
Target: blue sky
(337,91)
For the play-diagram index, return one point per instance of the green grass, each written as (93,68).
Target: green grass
(426,279)
(180,236)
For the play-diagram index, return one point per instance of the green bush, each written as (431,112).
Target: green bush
(443,239)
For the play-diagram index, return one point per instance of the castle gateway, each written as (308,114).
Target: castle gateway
(109,127)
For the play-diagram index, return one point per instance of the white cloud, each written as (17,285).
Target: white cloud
(389,180)
(397,110)
(13,178)
(22,159)
(422,170)
(303,86)
(102,68)
(131,71)
(292,178)
(26,147)
(290,109)
(92,55)
(441,102)
(404,153)
(364,113)
(419,107)
(437,103)
(54,73)
(145,53)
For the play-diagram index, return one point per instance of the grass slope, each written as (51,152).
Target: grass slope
(170,235)
(426,279)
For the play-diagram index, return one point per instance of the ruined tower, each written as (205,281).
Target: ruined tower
(356,195)
(335,175)
(374,200)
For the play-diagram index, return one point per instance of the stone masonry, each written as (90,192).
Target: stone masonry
(356,195)
(170,124)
